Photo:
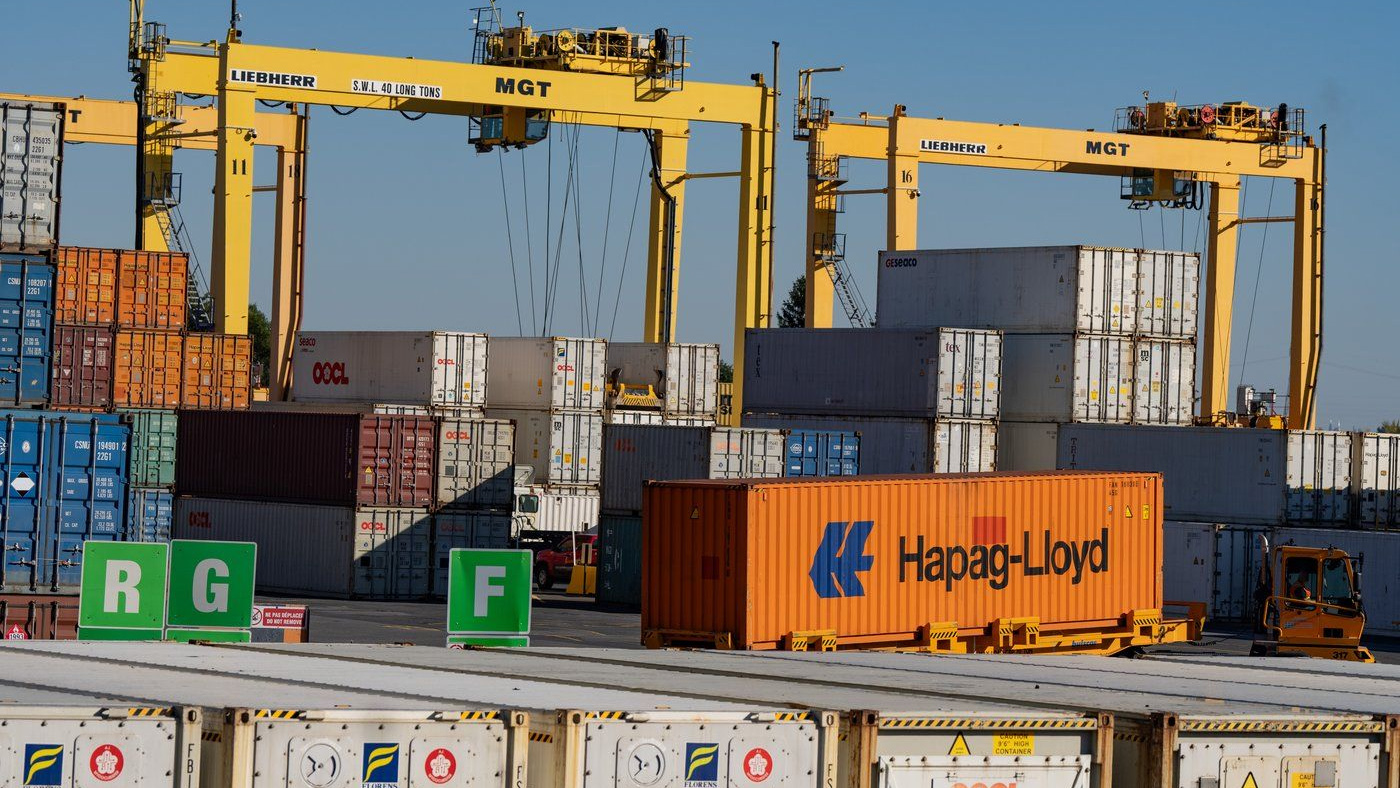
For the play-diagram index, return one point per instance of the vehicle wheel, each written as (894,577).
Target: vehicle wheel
(543,578)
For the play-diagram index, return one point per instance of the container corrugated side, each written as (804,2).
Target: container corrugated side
(821,453)
(40,616)
(125,288)
(547,372)
(150,514)
(32,179)
(154,436)
(1063,378)
(620,560)
(218,372)
(26,328)
(684,375)
(1375,479)
(147,369)
(948,373)
(565,447)
(475,463)
(86,288)
(894,445)
(472,530)
(559,509)
(1319,476)
(82,367)
(333,551)
(877,559)
(430,368)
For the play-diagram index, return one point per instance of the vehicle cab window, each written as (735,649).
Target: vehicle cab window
(1336,583)
(1300,576)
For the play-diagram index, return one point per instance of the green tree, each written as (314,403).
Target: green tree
(260,329)
(726,372)
(1389,426)
(793,313)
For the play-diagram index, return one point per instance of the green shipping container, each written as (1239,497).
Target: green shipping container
(152,447)
(620,561)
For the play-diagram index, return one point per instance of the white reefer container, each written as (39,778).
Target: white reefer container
(894,445)
(548,372)
(434,368)
(1041,289)
(1164,381)
(476,461)
(633,455)
(684,375)
(560,509)
(331,551)
(90,740)
(1098,378)
(31,180)
(1375,479)
(1225,475)
(635,417)
(1215,564)
(934,373)
(564,447)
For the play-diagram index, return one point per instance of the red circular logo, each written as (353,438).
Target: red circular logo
(440,766)
(758,764)
(106,763)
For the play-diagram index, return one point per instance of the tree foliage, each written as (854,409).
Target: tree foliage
(260,329)
(793,313)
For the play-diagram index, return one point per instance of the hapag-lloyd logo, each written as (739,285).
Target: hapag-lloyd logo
(841,557)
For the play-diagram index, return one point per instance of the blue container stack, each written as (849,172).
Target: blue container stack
(26,328)
(822,453)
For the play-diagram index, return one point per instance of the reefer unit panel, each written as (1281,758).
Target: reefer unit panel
(431,368)
(684,375)
(547,372)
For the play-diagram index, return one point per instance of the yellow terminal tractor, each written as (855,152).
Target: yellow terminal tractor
(1309,603)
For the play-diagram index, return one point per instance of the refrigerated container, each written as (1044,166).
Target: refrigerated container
(475,463)
(65,482)
(218,372)
(933,373)
(1064,377)
(633,455)
(542,373)
(895,445)
(1164,381)
(150,514)
(1042,289)
(474,530)
(1375,479)
(93,740)
(652,417)
(125,288)
(154,434)
(31,182)
(1225,475)
(564,447)
(26,328)
(684,375)
(756,564)
(344,459)
(430,368)
(554,509)
(330,551)
(821,453)
(1216,564)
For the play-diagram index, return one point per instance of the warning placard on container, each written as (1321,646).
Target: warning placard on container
(276,617)
(1013,744)
(408,90)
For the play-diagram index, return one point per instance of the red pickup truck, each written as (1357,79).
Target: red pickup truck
(555,564)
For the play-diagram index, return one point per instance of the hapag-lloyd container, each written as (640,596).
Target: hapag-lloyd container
(894,445)
(475,463)
(1375,479)
(565,447)
(218,372)
(474,530)
(634,455)
(342,459)
(332,551)
(879,560)
(934,373)
(1225,475)
(685,376)
(127,288)
(26,328)
(1042,289)
(31,182)
(65,481)
(433,368)
(547,373)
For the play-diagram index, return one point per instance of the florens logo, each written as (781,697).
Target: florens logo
(701,765)
(381,765)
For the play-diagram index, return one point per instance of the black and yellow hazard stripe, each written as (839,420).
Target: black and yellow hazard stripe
(793,716)
(148,712)
(986,723)
(211,736)
(605,715)
(1281,726)
(542,738)
(480,715)
(279,714)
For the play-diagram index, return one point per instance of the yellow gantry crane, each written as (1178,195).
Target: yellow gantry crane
(1159,150)
(519,80)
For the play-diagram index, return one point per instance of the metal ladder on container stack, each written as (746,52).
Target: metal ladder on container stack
(829,246)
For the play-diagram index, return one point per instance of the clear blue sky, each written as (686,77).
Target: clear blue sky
(407,226)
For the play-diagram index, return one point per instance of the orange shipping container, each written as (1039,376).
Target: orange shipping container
(129,288)
(900,561)
(147,369)
(218,371)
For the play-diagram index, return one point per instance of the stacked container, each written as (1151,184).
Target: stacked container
(1093,335)
(919,400)
(684,379)
(554,389)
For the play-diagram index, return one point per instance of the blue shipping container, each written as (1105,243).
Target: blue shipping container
(64,477)
(822,453)
(26,328)
(150,514)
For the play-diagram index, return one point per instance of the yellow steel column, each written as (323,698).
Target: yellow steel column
(902,198)
(1220,294)
(233,205)
(156,164)
(1306,341)
(822,185)
(753,290)
(661,307)
(287,262)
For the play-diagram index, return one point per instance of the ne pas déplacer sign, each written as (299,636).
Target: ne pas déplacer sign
(380,87)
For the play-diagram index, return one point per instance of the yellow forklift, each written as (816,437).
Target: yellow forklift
(1309,603)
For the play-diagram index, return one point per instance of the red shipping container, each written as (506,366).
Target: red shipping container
(343,459)
(82,367)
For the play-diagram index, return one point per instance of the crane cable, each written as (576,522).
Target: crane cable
(1258,274)
(529,244)
(510,241)
(607,226)
(627,248)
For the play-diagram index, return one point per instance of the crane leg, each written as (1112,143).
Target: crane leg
(821,229)
(1220,294)
(1305,349)
(287,264)
(663,285)
(233,211)
(902,194)
(753,291)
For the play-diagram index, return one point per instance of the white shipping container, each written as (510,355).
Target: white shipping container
(1215,564)
(1164,381)
(635,417)
(1375,465)
(332,551)
(1319,476)
(564,447)
(1043,289)
(1067,378)
(1027,445)
(894,445)
(476,463)
(103,742)
(559,509)
(31,181)
(548,372)
(685,376)
(432,368)
(747,453)
(937,373)
(633,455)
(473,530)
(377,408)
(689,421)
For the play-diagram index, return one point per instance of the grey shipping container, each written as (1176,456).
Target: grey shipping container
(1042,289)
(476,461)
(1225,475)
(330,551)
(620,561)
(1027,445)
(933,373)
(547,372)
(894,445)
(633,455)
(473,530)
(434,368)
(1098,378)
(1215,564)
(1375,465)
(564,447)
(316,406)
(30,186)
(685,376)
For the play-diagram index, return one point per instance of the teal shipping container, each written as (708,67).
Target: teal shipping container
(153,438)
(620,561)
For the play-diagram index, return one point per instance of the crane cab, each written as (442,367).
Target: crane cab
(1310,604)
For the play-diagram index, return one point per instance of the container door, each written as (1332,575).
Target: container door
(693,755)
(1107,291)
(1164,377)
(950,771)
(1188,562)
(1103,379)
(1236,573)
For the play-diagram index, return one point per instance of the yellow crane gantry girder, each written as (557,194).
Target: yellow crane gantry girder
(905,142)
(238,75)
